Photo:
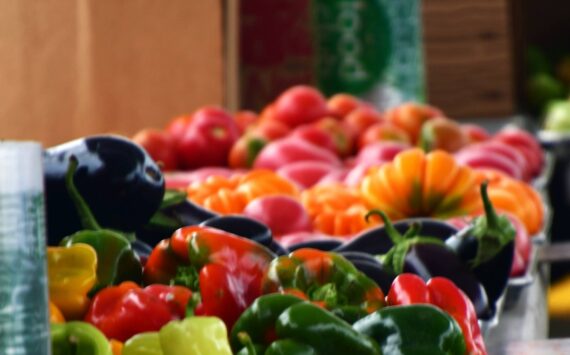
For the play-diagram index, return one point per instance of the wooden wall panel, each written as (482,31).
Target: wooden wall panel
(469,57)
(75,67)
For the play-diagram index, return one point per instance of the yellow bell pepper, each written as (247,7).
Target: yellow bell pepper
(71,275)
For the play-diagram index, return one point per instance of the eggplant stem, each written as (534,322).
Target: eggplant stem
(88,220)
(490,214)
(392,232)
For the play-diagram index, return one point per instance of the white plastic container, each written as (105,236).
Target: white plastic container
(24,319)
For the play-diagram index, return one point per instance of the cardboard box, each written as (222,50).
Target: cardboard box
(70,68)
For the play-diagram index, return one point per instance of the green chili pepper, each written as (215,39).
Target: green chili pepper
(415,329)
(78,338)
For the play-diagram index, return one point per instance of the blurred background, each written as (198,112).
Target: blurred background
(119,66)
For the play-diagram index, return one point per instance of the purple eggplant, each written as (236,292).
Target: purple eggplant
(247,228)
(321,244)
(175,211)
(487,246)
(429,257)
(370,266)
(376,240)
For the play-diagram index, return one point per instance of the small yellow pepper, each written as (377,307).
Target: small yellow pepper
(71,275)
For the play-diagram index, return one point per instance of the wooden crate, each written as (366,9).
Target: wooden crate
(470,66)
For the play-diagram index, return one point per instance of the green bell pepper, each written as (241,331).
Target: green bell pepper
(117,261)
(285,324)
(78,338)
(320,329)
(415,329)
(190,336)
(258,321)
(289,347)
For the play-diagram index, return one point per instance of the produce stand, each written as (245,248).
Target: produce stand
(526,320)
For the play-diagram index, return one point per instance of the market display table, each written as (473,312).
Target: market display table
(524,321)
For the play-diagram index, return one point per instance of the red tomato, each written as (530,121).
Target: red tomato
(271,129)
(362,118)
(382,131)
(475,133)
(245,150)
(282,214)
(160,146)
(316,136)
(177,126)
(287,150)
(245,119)
(306,173)
(208,139)
(343,136)
(299,105)
(341,105)
(411,116)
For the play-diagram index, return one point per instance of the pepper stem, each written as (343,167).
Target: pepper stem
(246,341)
(86,216)
(490,213)
(392,232)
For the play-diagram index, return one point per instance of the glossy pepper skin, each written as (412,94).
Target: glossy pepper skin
(409,289)
(116,261)
(225,268)
(191,336)
(72,273)
(320,329)
(285,324)
(413,330)
(323,277)
(428,257)
(78,338)
(258,320)
(125,310)
(118,179)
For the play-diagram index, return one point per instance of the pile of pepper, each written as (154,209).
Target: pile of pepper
(204,290)
(312,265)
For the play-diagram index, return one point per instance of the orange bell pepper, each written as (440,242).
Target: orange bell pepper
(416,184)
(336,209)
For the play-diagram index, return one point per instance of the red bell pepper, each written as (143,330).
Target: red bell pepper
(226,269)
(411,289)
(127,309)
